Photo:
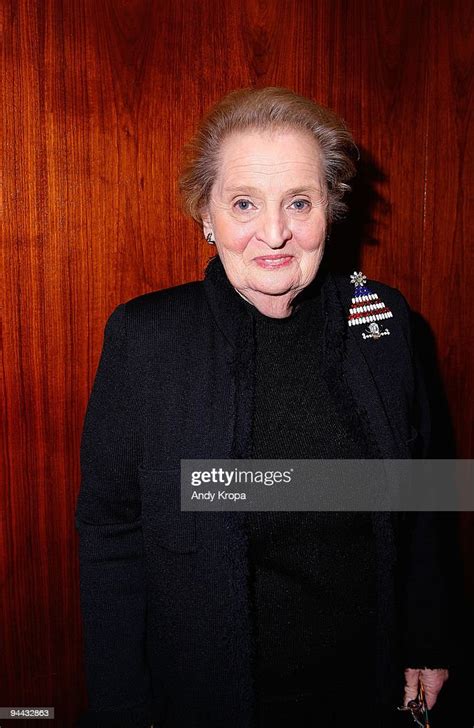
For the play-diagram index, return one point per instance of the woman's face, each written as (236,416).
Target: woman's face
(267,214)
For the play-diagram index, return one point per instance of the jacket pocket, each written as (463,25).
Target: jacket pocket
(163,522)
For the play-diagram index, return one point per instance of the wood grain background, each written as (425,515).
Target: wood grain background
(97,98)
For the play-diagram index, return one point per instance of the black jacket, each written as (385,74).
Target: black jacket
(164,593)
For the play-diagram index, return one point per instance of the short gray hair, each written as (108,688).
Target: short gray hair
(261,109)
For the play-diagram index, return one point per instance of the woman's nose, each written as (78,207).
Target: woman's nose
(274,229)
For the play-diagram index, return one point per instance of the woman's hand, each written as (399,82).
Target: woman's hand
(433,681)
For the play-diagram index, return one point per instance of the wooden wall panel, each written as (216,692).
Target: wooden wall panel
(97,99)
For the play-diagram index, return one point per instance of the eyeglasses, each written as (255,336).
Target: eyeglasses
(418,708)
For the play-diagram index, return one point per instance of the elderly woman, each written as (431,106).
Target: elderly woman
(254,619)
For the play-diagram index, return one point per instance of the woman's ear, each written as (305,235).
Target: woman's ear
(206,221)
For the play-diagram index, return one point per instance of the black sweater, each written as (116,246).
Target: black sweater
(313,574)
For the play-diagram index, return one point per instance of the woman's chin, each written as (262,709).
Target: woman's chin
(273,285)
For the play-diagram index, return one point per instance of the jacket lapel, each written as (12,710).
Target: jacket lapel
(367,365)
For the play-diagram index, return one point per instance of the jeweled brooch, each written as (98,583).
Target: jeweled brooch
(367,308)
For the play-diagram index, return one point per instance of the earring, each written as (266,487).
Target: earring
(209,239)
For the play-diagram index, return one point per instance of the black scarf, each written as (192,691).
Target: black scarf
(356,418)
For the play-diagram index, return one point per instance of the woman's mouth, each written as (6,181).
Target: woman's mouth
(273,261)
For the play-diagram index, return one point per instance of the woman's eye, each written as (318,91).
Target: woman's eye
(243,205)
(301,205)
